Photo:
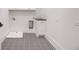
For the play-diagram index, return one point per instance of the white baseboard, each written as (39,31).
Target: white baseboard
(2,39)
(56,45)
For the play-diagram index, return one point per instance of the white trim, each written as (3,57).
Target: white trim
(54,42)
(2,39)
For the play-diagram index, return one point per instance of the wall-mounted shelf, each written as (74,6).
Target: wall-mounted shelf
(40,19)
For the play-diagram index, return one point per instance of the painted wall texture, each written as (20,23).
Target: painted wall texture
(62,25)
(21,22)
(4,20)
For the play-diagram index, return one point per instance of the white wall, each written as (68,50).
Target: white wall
(40,13)
(62,26)
(21,24)
(4,19)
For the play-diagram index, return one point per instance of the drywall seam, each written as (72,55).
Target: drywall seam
(54,42)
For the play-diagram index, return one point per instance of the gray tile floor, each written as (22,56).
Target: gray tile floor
(28,42)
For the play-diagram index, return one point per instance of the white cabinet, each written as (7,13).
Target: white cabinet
(40,27)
